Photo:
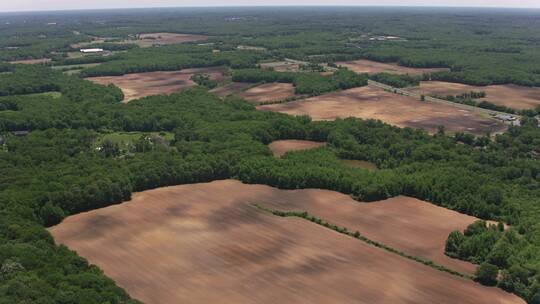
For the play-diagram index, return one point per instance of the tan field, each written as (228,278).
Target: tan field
(206,243)
(280,147)
(32,61)
(360,164)
(269,92)
(149,39)
(140,85)
(375,103)
(230,89)
(373,67)
(512,96)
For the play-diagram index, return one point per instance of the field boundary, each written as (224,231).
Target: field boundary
(438,100)
(357,235)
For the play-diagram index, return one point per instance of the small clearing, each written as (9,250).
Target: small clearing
(32,61)
(269,92)
(373,67)
(280,147)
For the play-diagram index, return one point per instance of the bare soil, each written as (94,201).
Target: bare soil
(205,243)
(230,89)
(269,92)
(512,96)
(32,61)
(402,111)
(280,147)
(373,67)
(150,39)
(140,85)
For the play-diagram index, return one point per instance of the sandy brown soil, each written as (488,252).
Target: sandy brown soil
(374,103)
(512,96)
(360,164)
(140,85)
(32,61)
(168,38)
(205,243)
(280,147)
(373,67)
(230,89)
(269,92)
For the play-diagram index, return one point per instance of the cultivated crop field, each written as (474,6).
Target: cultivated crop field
(373,67)
(206,243)
(374,103)
(140,85)
(512,96)
(269,92)
(280,147)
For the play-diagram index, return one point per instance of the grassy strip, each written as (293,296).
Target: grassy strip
(357,235)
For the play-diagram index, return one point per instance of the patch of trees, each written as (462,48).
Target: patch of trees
(396,81)
(305,83)
(204,80)
(36,79)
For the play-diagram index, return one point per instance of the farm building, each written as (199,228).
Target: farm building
(89,51)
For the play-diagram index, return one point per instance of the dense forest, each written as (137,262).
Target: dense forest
(62,166)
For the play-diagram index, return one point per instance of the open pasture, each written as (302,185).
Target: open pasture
(206,243)
(280,147)
(373,67)
(269,92)
(140,85)
(512,96)
(402,111)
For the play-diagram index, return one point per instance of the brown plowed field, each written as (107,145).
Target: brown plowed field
(280,147)
(168,38)
(375,103)
(205,243)
(373,67)
(512,96)
(140,85)
(229,89)
(269,92)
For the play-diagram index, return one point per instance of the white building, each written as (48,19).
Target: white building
(86,51)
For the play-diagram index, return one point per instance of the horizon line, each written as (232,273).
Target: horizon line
(268,6)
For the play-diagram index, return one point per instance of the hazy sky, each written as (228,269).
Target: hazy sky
(34,5)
